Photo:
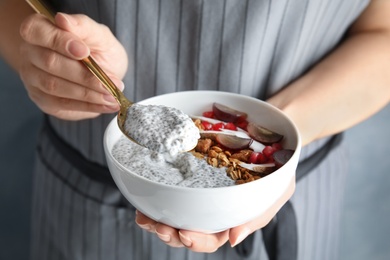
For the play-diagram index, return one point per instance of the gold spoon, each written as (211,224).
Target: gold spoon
(90,63)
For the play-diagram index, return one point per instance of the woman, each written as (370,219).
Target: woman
(313,59)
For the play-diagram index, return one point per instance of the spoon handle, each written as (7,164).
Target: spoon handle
(89,62)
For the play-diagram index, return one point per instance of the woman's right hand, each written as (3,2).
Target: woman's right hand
(55,79)
(208,243)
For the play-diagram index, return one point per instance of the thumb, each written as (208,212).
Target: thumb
(77,48)
(92,38)
(93,34)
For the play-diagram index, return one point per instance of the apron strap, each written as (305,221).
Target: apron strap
(281,235)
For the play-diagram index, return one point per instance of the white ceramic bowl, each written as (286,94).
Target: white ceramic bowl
(210,209)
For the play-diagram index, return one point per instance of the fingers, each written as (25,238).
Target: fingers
(59,96)
(197,242)
(98,38)
(144,222)
(37,30)
(68,109)
(62,67)
(72,35)
(168,235)
(58,65)
(61,88)
(53,75)
(200,242)
(95,34)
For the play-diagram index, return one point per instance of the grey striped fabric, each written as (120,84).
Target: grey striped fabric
(245,46)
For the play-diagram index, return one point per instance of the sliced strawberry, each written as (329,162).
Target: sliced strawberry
(268,151)
(230,126)
(261,159)
(209,114)
(218,126)
(253,157)
(207,125)
(242,124)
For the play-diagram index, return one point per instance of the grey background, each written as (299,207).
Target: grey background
(365,230)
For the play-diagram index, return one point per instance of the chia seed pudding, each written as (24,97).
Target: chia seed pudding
(161,129)
(183,170)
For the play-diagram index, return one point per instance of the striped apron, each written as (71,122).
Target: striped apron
(252,47)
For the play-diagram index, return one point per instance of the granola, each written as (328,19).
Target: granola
(219,157)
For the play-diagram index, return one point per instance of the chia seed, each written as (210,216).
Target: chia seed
(161,129)
(184,169)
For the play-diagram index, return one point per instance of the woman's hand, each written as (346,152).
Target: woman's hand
(208,243)
(56,80)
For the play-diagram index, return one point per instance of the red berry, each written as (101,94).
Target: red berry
(207,125)
(209,114)
(253,157)
(230,126)
(277,146)
(218,126)
(242,124)
(268,151)
(261,158)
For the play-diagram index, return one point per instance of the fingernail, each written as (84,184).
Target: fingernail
(68,18)
(165,238)
(109,98)
(241,237)
(119,84)
(185,240)
(77,49)
(113,107)
(145,226)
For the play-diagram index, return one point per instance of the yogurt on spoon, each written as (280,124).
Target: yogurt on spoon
(162,129)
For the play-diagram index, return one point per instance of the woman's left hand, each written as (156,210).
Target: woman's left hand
(208,243)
